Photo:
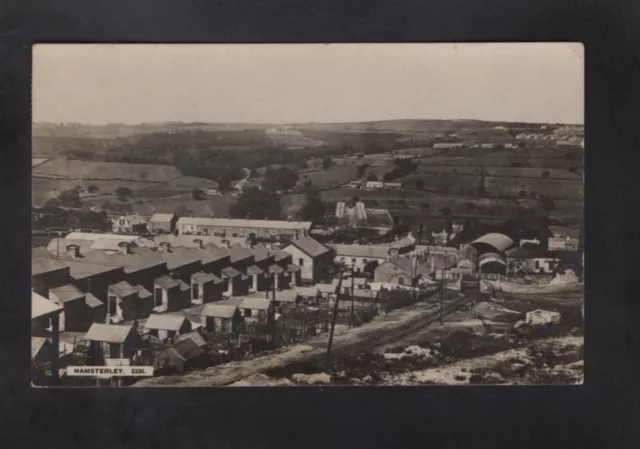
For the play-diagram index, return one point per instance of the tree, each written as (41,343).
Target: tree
(314,208)
(257,204)
(372,178)
(362,169)
(224,181)
(419,184)
(123,193)
(198,194)
(93,188)
(279,179)
(426,206)
(522,193)
(546,174)
(53,202)
(327,162)
(470,206)
(446,211)
(70,198)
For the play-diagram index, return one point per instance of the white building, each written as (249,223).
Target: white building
(242,228)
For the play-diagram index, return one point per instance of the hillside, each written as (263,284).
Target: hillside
(77,169)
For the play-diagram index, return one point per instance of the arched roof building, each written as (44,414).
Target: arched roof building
(493,242)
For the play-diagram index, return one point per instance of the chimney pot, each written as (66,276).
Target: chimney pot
(73,251)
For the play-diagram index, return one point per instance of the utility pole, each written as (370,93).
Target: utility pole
(353,314)
(333,318)
(442,290)
(273,286)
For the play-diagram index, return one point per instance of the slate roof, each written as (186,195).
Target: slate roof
(254,270)
(275,268)
(289,296)
(186,349)
(123,289)
(164,322)
(58,246)
(364,251)
(307,291)
(241,223)
(109,333)
(309,246)
(109,244)
(194,337)
(239,253)
(231,272)
(202,277)
(166,282)
(183,285)
(41,306)
(66,293)
(92,302)
(248,303)
(37,343)
(44,264)
(499,241)
(143,292)
(161,218)
(219,310)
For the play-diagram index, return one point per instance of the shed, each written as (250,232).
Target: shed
(541,317)
(165,327)
(182,356)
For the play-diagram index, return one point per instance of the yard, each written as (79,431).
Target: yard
(89,170)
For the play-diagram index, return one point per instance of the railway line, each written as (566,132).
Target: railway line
(407,329)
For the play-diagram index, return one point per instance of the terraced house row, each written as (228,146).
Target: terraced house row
(123,282)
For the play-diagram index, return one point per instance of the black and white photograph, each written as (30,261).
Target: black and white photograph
(281,215)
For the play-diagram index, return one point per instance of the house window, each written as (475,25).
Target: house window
(247,312)
(158,296)
(537,265)
(364,261)
(301,262)
(235,234)
(353,260)
(400,281)
(218,234)
(195,288)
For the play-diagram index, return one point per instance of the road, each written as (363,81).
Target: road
(383,330)
(240,183)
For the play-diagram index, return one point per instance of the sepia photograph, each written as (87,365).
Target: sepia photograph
(281,215)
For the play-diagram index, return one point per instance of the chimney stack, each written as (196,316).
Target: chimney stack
(164,247)
(199,243)
(226,244)
(124,247)
(73,251)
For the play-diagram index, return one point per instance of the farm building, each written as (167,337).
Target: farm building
(162,223)
(313,258)
(402,271)
(112,341)
(129,224)
(539,261)
(221,318)
(182,356)
(360,256)
(242,228)
(260,309)
(167,327)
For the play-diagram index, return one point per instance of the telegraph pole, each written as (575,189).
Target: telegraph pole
(353,315)
(273,286)
(333,318)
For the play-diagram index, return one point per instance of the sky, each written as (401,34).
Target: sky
(301,83)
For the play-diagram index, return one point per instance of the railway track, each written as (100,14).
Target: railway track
(408,329)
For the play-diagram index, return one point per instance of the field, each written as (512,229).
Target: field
(421,151)
(529,172)
(191,182)
(531,187)
(449,169)
(43,189)
(217,206)
(424,200)
(467,184)
(334,176)
(77,169)
(378,172)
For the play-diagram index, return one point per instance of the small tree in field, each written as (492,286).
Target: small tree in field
(123,193)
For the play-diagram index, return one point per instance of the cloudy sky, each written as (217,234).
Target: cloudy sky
(98,84)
